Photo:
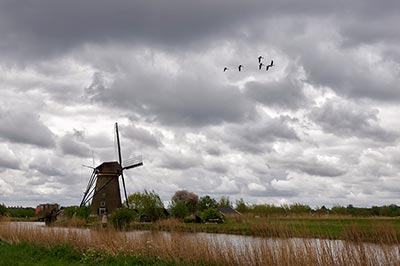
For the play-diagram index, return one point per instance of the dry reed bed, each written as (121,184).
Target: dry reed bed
(212,249)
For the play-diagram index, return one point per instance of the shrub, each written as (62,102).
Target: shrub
(83,212)
(211,215)
(3,209)
(122,217)
(179,209)
(206,202)
(148,204)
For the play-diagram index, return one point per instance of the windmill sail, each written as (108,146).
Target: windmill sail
(132,162)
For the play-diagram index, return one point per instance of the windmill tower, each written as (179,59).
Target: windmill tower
(103,187)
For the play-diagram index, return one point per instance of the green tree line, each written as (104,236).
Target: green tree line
(183,204)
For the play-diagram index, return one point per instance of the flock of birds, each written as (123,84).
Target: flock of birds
(260,65)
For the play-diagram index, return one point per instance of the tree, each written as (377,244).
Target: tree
(298,208)
(206,202)
(70,211)
(241,206)
(148,204)
(3,209)
(188,198)
(224,201)
(339,210)
(178,209)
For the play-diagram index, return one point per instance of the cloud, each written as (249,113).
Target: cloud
(286,93)
(182,101)
(180,161)
(346,119)
(24,127)
(256,187)
(143,136)
(256,136)
(8,160)
(71,144)
(226,186)
(320,128)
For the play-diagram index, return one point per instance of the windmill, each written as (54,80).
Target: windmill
(103,187)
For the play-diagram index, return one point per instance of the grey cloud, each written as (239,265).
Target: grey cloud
(49,168)
(158,65)
(142,136)
(322,170)
(286,93)
(71,145)
(217,167)
(254,137)
(213,150)
(181,102)
(52,27)
(8,160)
(377,24)
(349,120)
(180,161)
(23,127)
(9,163)
(315,168)
(350,72)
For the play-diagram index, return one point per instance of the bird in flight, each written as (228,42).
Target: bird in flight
(240,67)
(260,58)
(270,65)
(260,66)
(225,69)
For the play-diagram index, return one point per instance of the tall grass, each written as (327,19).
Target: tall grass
(215,250)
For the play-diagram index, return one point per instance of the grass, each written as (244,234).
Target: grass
(110,247)
(371,229)
(27,254)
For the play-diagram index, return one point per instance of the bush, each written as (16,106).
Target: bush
(83,212)
(179,209)
(206,202)
(148,204)
(212,215)
(189,220)
(3,209)
(21,212)
(70,211)
(122,217)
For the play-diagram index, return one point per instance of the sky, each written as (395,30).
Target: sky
(320,127)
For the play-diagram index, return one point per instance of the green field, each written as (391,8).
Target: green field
(26,254)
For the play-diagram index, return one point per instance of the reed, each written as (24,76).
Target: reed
(178,246)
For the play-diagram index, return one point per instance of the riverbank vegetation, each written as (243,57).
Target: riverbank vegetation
(193,249)
(27,254)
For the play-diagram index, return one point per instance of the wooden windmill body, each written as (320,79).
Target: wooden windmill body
(103,188)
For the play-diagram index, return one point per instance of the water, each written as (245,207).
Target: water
(244,245)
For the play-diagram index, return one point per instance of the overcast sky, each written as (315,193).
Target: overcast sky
(321,127)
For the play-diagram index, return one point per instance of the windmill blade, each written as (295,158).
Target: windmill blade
(120,162)
(132,162)
(123,184)
(89,187)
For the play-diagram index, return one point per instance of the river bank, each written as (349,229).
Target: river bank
(208,249)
